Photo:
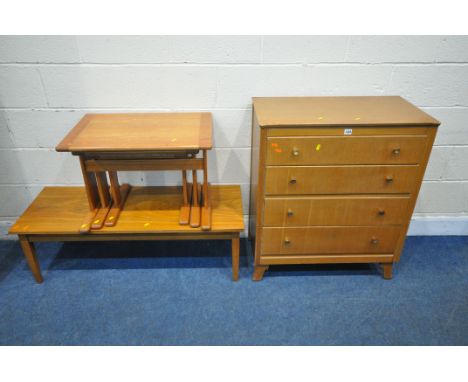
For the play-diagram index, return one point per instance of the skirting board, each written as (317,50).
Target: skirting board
(420,226)
(438,226)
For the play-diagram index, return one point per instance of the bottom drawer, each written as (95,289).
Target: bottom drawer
(331,240)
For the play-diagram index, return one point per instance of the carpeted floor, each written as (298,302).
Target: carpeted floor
(181,293)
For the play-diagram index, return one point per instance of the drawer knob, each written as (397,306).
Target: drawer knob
(374,240)
(295,151)
(290,212)
(293,180)
(381,212)
(389,179)
(287,241)
(396,151)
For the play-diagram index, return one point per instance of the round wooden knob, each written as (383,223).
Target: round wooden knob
(381,212)
(389,178)
(295,151)
(290,212)
(293,180)
(287,241)
(396,151)
(374,240)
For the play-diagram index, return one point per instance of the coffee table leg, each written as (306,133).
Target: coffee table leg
(30,254)
(235,252)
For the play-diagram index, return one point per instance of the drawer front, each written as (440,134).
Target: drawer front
(345,150)
(329,240)
(288,180)
(334,210)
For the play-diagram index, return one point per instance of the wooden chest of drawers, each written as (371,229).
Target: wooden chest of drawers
(335,179)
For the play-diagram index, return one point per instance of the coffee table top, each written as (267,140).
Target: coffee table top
(148,210)
(139,132)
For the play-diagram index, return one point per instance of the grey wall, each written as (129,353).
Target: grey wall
(47,83)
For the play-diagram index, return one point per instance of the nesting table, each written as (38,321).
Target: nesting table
(135,142)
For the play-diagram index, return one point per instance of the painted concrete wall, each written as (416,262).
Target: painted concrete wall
(47,83)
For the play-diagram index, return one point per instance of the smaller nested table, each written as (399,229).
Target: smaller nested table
(141,142)
(150,213)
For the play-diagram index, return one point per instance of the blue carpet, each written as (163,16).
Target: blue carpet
(181,293)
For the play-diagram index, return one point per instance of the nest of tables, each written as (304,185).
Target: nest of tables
(109,143)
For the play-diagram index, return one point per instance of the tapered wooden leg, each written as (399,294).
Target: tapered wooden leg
(104,198)
(30,254)
(115,188)
(119,195)
(195,208)
(90,186)
(387,271)
(206,209)
(235,253)
(103,189)
(85,226)
(259,270)
(100,217)
(184,217)
(114,212)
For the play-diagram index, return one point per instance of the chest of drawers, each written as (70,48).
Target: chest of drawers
(335,179)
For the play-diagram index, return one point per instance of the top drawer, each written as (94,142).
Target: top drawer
(395,149)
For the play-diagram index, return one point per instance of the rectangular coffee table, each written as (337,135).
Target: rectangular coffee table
(150,213)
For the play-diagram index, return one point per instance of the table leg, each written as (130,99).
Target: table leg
(206,211)
(88,220)
(105,199)
(31,258)
(90,186)
(115,188)
(103,188)
(114,212)
(235,253)
(184,216)
(195,209)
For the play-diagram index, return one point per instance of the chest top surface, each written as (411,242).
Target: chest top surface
(139,132)
(339,111)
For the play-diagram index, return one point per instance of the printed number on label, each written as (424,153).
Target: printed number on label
(348,131)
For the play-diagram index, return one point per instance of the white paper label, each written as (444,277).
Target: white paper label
(348,131)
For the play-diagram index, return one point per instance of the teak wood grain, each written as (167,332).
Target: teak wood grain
(60,210)
(335,179)
(329,240)
(139,142)
(334,210)
(339,111)
(139,132)
(289,180)
(301,151)
(151,213)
